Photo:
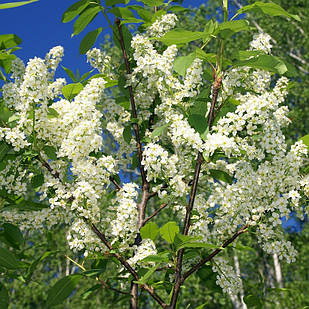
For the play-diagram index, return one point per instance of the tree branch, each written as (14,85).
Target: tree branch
(116,184)
(154,213)
(199,161)
(213,254)
(132,101)
(124,263)
(145,185)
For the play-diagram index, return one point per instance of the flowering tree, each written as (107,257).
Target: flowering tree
(202,135)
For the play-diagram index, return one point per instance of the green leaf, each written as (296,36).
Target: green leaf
(37,181)
(61,290)
(142,12)
(182,63)
(161,257)
(131,20)
(159,130)
(181,239)
(74,10)
(221,175)
(200,124)
(51,152)
(200,106)
(8,259)
(247,54)
(4,297)
(134,163)
(152,3)
(265,62)
(122,12)
(242,248)
(9,40)
(148,274)
(178,8)
(127,134)
(5,56)
(195,244)
(180,36)
(84,19)
(4,148)
(84,76)
(279,290)
(71,90)
(34,264)
(15,4)
(13,235)
(169,230)
(89,291)
(253,301)
(70,74)
(229,28)
(13,118)
(209,57)
(304,139)
(149,230)
(114,2)
(201,306)
(228,107)
(88,41)
(127,37)
(25,205)
(52,113)
(93,272)
(271,9)
(211,26)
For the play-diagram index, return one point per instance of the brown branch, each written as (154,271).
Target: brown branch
(124,263)
(145,185)
(49,168)
(213,254)
(154,213)
(133,106)
(116,184)
(199,161)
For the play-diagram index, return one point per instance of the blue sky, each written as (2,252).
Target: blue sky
(39,26)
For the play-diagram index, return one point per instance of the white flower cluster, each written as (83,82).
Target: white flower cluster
(52,60)
(74,133)
(100,61)
(162,25)
(81,238)
(124,216)
(158,163)
(226,276)
(261,42)
(145,248)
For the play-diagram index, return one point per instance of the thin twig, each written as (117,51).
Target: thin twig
(155,213)
(74,262)
(214,253)
(178,279)
(133,106)
(116,184)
